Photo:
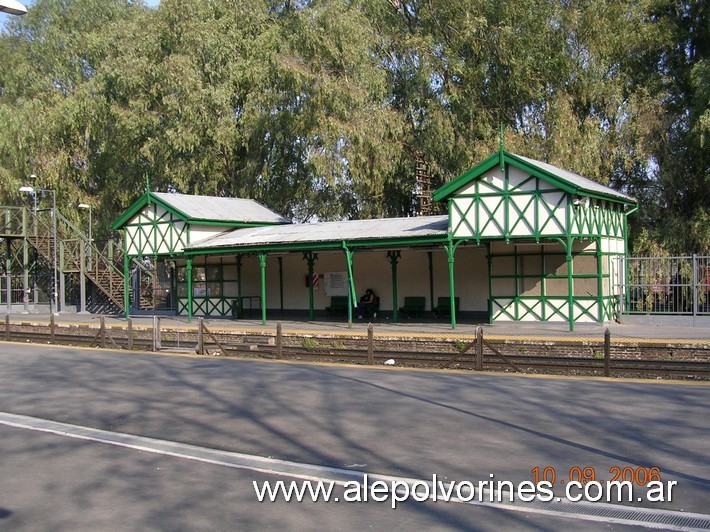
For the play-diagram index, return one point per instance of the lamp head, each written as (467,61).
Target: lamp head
(84,206)
(29,190)
(12,7)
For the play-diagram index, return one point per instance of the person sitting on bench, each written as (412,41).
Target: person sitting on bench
(368,304)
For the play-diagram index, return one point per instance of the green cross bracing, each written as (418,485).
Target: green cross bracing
(156,231)
(530,203)
(538,213)
(158,227)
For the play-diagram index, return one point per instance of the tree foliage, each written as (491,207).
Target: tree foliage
(321,108)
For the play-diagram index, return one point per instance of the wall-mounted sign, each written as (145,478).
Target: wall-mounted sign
(335,283)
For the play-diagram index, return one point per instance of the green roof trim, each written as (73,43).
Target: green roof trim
(150,197)
(469,175)
(138,205)
(130,212)
(562,179)
(219,223)
(322,246)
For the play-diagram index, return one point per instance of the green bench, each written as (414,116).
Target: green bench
(443,306)
(413,306)
(338,305)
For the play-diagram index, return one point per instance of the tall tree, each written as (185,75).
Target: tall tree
(321,108)
(49,56)
(681,152)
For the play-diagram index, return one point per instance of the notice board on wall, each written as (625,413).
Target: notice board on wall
(335,283)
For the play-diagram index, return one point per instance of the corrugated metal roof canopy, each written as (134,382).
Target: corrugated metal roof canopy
(330,232)
(220,209)
(584,183)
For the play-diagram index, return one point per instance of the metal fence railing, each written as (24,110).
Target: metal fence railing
(665,285)
(15,289)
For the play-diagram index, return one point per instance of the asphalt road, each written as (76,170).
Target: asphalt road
(462,426)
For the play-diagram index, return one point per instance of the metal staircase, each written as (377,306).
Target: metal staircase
(75,253)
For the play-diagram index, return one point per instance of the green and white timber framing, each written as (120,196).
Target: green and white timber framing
(555,238)
(522,241)
(160,226)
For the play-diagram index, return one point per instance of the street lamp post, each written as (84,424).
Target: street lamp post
(91,240)
(35,295)
(85,253)
(34,191)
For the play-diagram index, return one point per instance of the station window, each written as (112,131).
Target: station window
(210,280)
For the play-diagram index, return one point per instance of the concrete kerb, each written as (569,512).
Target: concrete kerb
(520,332)
(412,345)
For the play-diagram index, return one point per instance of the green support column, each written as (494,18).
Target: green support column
(351,283)
(310,259)
(489,259)
(262,266)
(450,250)
(188,267)
(394,257)
(517,282)
(281,283)
(126,283)
(600,282)
(431,281)
(570,283)
(240,309)
(543,285)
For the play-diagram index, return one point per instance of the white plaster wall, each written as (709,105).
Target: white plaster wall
(613,245)
(150,235)
(495,177)
(371,269)
(203,232)
(132,248)
(520,180)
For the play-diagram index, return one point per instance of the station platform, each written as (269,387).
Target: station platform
(406,328)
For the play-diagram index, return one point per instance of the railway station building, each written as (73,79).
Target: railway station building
(522,240)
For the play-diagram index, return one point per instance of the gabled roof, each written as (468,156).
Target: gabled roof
(564,179)
(330,234)
(206,210)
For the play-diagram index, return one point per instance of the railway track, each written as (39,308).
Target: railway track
(531,364)
(424,359)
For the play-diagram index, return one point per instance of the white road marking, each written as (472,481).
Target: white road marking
(648,517)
